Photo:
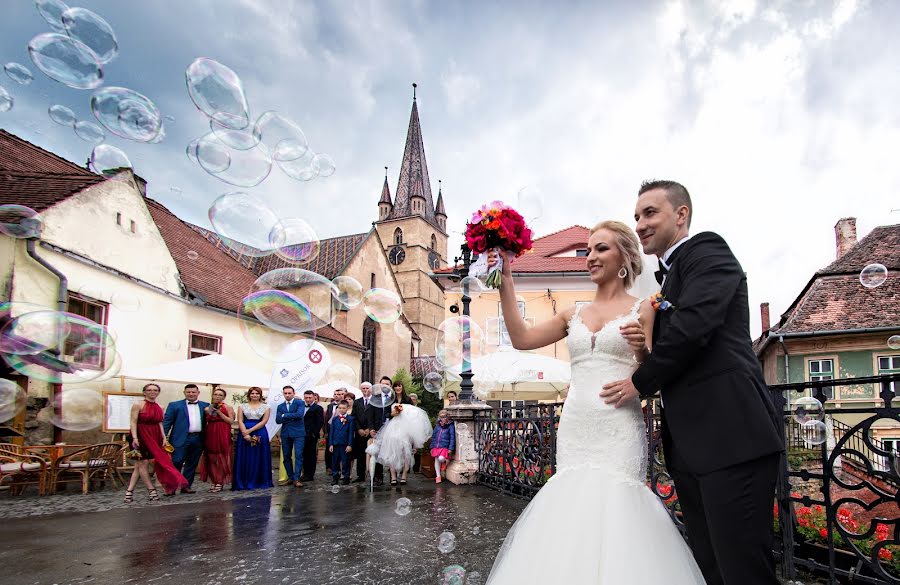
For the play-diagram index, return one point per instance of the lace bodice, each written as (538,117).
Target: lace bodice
(592,433)
(254,413)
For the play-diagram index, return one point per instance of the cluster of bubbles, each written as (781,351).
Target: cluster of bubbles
(238,150)
(810,414)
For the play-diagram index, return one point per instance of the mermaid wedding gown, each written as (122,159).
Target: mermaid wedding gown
(596,522)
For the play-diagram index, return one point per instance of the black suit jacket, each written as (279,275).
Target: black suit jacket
(314,420)
(716,408)
(375,417)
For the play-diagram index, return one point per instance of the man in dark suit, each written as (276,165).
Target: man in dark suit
(313,421)
(376,416)
(184,423)
(719,426)
(290,415)
(361,437)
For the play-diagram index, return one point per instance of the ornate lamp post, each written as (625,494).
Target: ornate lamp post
(465,386)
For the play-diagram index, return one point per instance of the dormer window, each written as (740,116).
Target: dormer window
(582,252)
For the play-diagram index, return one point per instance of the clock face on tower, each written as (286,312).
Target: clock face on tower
(397,255)
(434,260)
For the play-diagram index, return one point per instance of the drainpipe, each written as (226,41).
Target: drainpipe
(61,302)
(787,362)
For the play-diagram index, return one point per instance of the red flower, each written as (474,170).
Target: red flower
(885,555)
(823,533)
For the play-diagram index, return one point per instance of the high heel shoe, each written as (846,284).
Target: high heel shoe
(129,496)
(154,495)
(216,488)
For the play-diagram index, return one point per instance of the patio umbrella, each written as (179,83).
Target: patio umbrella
(214,369)
(512,374)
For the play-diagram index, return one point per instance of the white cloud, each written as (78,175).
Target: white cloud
(461,88)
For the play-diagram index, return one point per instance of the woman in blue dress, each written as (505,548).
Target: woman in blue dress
(253,458)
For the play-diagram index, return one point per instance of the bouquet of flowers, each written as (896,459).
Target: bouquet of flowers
(254,440)
(134,454)
(496,226)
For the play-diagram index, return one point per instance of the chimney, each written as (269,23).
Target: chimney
(844,235)
(764,316)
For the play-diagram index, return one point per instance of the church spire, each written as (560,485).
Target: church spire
(439,212)
(414,181)
(385,204)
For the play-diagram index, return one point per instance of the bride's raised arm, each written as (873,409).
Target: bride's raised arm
(520,334)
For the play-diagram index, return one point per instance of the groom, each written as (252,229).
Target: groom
(718,423)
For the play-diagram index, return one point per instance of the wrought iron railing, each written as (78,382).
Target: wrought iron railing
(844,526)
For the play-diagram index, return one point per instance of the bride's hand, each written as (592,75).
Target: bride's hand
(494,255)
(634,335)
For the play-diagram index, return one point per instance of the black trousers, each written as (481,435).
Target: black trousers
(728,514)
(187,457)
(310,455)
(359,455)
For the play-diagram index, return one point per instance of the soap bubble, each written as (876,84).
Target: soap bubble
(335,489)
(473,578)
(300,168)
(340,373)
(813,433)
(92,30)
(34,332)
(125,301)
(89,132)
(126,113)
(217,91)
(244,222)
(269,344)
(292,300)
(433,382)
(6,100)
(191,150)
(212,155)
(893,342)
(52,11)
(243,168)
(471,286)
(808,408)
(446,542)
(452,575)
(238,139)
(349,291)
(294,241)
(18,73)
(323,165)
(873,275)
(106,158)
(530,202)
(62,115)
(281,135)
(382,305)
(192,255)
(66,60)
(12,400)
(403,507)
(18,221)
(382,396)
(459,341)
(77,409)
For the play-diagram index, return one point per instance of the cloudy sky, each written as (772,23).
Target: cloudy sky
(780,117)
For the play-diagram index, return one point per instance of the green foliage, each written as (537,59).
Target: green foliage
(428,402)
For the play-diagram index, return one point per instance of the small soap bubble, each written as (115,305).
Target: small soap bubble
(433,382)
(446,542)
(382,305)
(62,115)
(89,132)
(349,291)
(18,73)
(808,408)
(873,275)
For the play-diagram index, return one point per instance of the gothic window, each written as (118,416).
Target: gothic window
(368,359)
(433,242)
(398,236)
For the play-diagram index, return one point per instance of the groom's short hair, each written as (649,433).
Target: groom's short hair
(676,193)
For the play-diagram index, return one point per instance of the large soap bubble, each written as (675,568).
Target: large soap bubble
(294,241)
(126,113)
(281,135)
(459,341)
(217,91)
(92,30)
(77,409)
(106,159)
(382,305)
(244,222)
(293,300)
(19,221)
(66,60)
(51,11)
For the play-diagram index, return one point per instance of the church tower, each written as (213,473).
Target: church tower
(414,232)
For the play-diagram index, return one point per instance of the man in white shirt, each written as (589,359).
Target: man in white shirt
(183,424)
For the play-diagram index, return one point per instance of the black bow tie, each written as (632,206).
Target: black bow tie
(192,402)
(661,273)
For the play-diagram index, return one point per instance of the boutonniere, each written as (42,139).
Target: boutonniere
(659,302)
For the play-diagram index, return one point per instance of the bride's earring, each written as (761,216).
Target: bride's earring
(623,272)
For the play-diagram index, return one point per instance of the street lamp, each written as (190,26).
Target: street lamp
(462,270)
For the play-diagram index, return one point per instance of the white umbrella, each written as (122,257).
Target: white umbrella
(211,369)
(520,373)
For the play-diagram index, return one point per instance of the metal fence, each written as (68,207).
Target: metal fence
(842,524)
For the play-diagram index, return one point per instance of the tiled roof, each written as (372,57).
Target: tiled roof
(439,206)
(334,254)
(385,192)
(542,259)
(834,299)
(220,279)
(413,179)
(421,365)
(38,179)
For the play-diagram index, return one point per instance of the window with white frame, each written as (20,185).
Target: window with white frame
(518,406)
(819,370)
(86,346)
(503,334)
(203,344)
(888,364)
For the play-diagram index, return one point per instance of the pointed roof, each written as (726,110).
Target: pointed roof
(439,206)
(413,181)
(385,191)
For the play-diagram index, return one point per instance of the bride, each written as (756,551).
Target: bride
(595,522)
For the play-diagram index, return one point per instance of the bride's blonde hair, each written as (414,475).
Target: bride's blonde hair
(629,247)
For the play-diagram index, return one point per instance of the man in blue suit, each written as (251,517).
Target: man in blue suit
(184,423)
(293,433)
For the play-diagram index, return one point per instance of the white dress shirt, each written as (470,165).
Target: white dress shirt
(670,251)
(195,423)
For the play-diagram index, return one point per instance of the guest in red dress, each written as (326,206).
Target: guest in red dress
(147,437)
(217,449)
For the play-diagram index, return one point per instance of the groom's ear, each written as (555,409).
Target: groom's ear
(683,216)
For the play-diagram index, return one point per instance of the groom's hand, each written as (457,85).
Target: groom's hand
(619,393)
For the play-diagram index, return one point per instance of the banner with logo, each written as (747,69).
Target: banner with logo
(302,373)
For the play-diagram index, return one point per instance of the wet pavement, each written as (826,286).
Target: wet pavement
(279,536)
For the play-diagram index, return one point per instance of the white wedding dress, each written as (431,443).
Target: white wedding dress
(596,522)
